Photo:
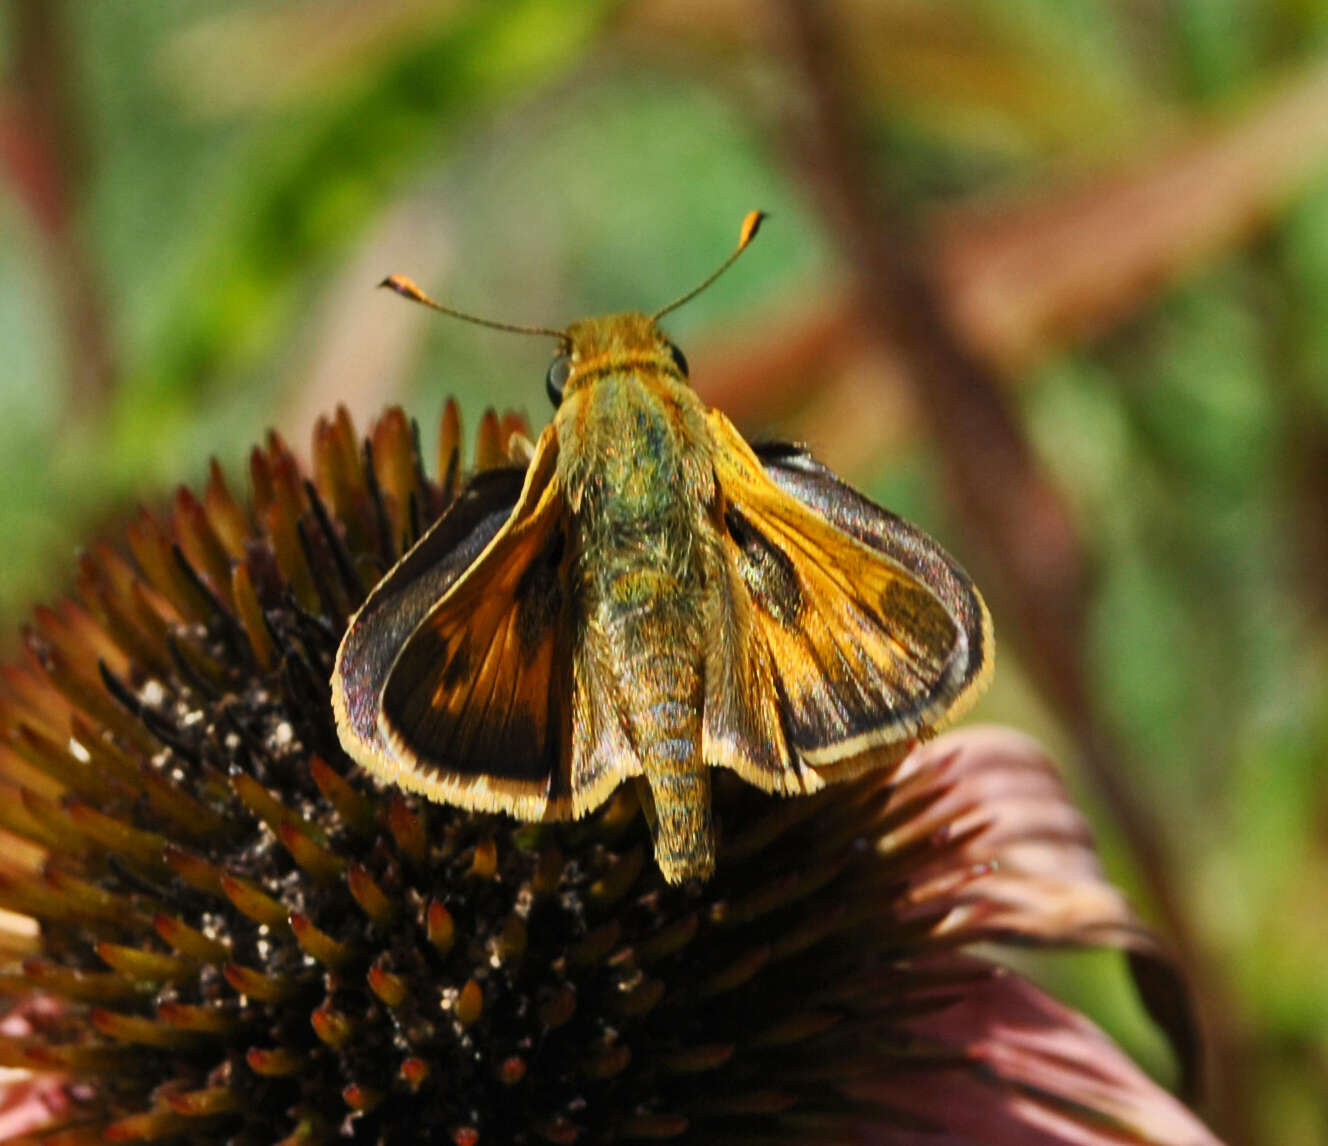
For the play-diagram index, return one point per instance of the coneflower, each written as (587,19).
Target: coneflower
(241,939)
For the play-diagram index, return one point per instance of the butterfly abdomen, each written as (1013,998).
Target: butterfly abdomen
(662,687)
(650,612)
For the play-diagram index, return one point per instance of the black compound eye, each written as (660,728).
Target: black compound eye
(560,369)
(679,359)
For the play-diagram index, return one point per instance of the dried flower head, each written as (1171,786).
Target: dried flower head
(241,939)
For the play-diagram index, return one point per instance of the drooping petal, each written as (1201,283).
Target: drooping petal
(997,1062)
(1010,859)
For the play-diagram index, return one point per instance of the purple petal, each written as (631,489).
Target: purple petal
(1011,860)
(999,1063)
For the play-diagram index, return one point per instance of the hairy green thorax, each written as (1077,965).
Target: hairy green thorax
(634,460)
(632,434)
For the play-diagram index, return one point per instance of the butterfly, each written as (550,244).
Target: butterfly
(647,598)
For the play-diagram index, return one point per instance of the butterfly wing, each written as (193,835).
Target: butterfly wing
(473,710)
(848,636)
(497,700)
(402,599)
(602,751)
(796,472)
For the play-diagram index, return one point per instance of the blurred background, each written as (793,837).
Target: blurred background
(1049,277)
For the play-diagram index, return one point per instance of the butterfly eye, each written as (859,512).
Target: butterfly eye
(560,369)
(679,359)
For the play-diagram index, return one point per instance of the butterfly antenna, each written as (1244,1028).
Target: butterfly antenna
(407,289)
(750,226)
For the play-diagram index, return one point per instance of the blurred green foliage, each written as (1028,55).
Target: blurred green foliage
(583,157)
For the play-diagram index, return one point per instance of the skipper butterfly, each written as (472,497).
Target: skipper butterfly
(650,597)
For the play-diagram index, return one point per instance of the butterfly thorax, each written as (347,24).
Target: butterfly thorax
(634,457)
(629,442)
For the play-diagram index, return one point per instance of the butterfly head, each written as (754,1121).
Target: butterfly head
(612,344)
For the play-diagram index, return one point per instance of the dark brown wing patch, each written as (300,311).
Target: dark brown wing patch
(472,692)
(766,569)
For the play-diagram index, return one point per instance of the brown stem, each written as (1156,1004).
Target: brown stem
(1038,567)
(42,154)
(1025,276)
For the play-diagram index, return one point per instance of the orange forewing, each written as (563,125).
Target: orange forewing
(495,702)
(476,704)
(844,651)
(402,599)
(473,709)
